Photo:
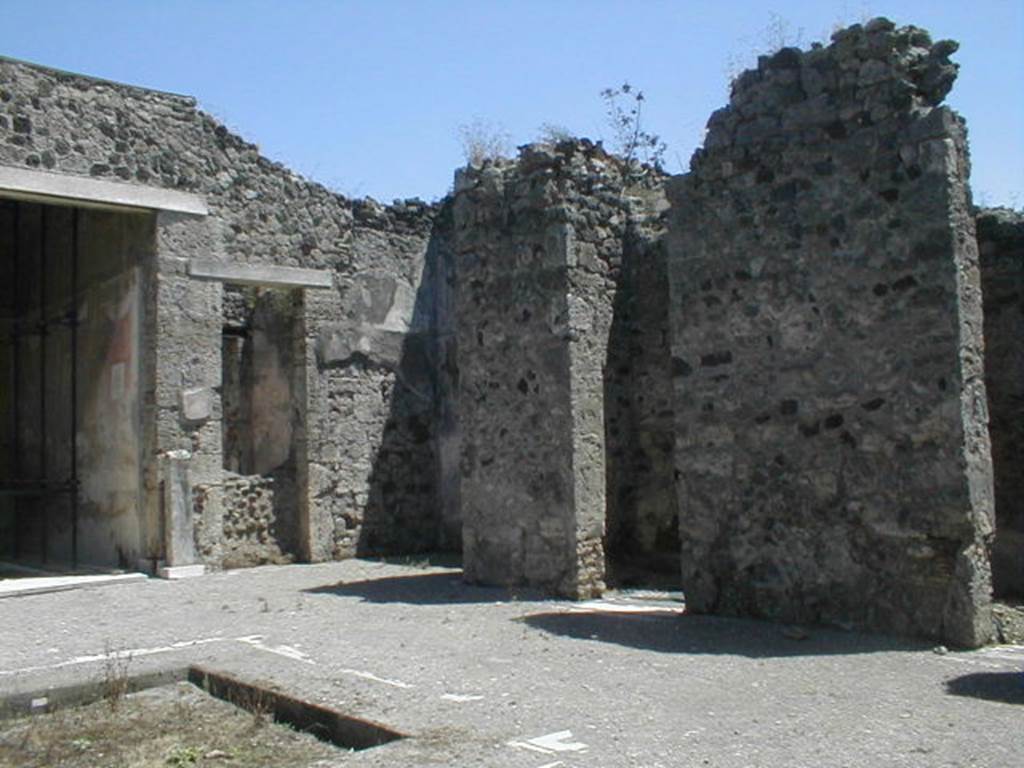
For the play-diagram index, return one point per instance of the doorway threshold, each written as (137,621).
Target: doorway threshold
(17,579)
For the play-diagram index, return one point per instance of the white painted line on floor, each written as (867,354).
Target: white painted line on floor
(528,745)
(374,678)
(461,697)
(554,764)
(558,742)
(256,641)
(121,654)
(550,743)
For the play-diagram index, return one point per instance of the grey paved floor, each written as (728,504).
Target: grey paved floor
(481,677)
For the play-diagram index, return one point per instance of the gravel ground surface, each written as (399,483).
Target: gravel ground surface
(485,677)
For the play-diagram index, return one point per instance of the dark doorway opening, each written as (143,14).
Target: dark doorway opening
(642,547)
(71,314)
(264,423)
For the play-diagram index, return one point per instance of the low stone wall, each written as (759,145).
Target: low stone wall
(1001,245)
(248,524)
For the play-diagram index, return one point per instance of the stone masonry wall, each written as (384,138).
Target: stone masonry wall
(826,318)
(642,535)
(260,213)
(375,481)
(1001,246)
(250,525)
(539,248)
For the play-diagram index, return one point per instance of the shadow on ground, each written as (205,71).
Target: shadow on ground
(680,633)
(650,631)
(1005,687)
(424,589)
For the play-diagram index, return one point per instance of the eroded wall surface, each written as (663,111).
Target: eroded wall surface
(365,447)
(111,316)
(826,316)
(787,388)
(373,443)
(1001,245)
(539,249)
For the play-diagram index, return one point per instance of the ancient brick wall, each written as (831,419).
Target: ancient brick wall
(826,315)
(539,249)
(1001,247)
(365,444)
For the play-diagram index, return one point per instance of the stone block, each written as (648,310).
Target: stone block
(196,404)
(174,572)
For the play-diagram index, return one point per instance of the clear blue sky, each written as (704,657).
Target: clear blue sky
(366,97)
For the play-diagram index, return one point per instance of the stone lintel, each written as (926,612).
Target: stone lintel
(63,189)
(264,275)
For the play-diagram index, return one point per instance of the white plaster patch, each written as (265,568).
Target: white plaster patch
(196,404)
(400,314)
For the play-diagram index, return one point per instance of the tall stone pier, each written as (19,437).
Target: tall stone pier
(826,316)
(538,258)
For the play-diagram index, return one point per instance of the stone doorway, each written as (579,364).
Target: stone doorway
(263,365)
(71,348)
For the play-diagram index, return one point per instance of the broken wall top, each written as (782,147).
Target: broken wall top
(868,74)
(826,324)
(59,122)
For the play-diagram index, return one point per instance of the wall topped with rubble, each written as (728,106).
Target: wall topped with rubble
(545,250)
(361,373)
(826,327)
(764,380)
